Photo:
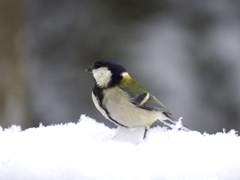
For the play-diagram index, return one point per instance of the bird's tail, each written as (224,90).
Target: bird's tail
(174,124)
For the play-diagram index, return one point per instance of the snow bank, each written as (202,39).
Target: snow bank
(90,150)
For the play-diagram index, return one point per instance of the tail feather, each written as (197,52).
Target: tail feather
(174,124)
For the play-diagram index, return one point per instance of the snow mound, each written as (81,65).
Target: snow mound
(90,150)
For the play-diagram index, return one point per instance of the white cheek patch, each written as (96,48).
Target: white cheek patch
(102,76)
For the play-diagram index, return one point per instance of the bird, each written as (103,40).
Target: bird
(124,101)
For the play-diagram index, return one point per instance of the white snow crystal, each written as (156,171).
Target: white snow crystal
(90,150)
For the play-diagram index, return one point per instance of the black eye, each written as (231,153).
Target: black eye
(97,65)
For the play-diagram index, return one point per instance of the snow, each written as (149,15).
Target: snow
(90,150)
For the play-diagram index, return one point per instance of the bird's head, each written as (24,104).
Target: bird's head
(107,73)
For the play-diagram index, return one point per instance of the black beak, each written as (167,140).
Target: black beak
(89,70)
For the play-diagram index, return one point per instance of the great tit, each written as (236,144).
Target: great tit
(124,101)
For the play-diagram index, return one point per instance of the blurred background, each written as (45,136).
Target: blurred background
(187,53)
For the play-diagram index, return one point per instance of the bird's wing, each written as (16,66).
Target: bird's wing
(140,97)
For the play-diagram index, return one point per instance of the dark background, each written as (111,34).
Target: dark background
(187,53)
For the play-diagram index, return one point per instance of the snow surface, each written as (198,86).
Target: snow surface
(90,150)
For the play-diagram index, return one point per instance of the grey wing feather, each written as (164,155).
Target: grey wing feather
(137,100)
(151,102)
(154,104)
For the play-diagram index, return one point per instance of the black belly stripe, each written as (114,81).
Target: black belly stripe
(113,120)
(98,92)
